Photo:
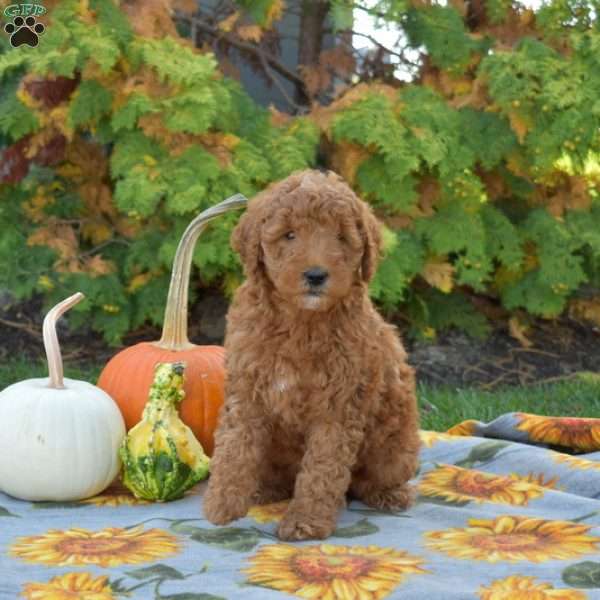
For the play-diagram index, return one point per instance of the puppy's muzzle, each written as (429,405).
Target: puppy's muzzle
(315,277)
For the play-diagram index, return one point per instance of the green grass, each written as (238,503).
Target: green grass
(18,369)
(577,397)
(441,407)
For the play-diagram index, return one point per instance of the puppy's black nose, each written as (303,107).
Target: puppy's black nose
(316,276)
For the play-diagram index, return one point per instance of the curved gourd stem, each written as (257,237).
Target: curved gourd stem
(174,333)
(53,355)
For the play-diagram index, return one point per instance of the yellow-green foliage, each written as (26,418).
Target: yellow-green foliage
(484,169)
(154,134)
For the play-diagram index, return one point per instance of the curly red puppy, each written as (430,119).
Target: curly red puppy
(320,400)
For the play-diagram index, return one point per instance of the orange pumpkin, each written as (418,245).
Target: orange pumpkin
(128,375)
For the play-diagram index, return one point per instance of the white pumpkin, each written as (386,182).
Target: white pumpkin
(59,437)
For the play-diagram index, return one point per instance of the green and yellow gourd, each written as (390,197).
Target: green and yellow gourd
(161,456)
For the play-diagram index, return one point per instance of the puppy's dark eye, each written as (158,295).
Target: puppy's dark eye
(290,235)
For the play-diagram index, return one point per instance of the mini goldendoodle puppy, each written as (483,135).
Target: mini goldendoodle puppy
(319,399)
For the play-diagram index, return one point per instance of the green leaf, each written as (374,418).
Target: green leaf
(483,452)
(481,127)
(174,61)
(133,149)
(183,528)
(192,111)
(149,301)
(90,101)
(228,538)
(545,289)
(585,226)
(24,264)
(502,238)
(497,10)
(126,116)
(371,121)
(585,574)
(403,261)
(100,291)
(16,119)
(391,187)
(179,203)
(138,193)
(157,570)
(440,501)
(250,161)
(12,59)
(452,229)
(342,14)
(257,9)
(93,44)
(359,529)
(437,131)
(432,308)
(117,586)
(4,512)
(515,76)
(442,31)
(112,21)
(58,62)
(290,149)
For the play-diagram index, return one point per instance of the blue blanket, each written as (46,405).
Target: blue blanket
(506,510)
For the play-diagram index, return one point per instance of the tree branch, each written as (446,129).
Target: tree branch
(399,55)
(275,64)
(279,85)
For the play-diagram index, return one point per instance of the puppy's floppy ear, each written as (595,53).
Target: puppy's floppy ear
(245,239)
(370,230)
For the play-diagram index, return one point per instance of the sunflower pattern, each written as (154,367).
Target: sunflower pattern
(107,547)
(575,463)
(514,539)
(70,586)
(518,587)
(268,513)
(116,495)
(429,438)
(331,571)
(570,432)
(457,484)
(465,428)
(499,516)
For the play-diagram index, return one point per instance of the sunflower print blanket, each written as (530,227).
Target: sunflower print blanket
(507,510)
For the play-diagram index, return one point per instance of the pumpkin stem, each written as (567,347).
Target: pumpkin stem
(174,333)
(53,355)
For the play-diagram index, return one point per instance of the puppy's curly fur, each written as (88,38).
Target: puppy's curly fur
(319,398)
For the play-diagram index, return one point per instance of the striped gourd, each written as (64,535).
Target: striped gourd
(161,457)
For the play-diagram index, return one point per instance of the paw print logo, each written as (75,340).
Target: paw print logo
(24,31)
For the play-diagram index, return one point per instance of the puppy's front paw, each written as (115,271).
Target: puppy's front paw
(297,526)
(220,508)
